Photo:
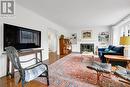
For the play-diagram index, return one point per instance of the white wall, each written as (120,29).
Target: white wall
(53,40)
(26,18)
(118,29)
(95,32)
(116,33)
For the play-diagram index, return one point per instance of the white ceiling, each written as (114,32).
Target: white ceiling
(76,14)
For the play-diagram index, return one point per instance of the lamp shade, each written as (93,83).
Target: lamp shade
(125,40)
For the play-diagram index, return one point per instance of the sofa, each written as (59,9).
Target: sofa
(112,50)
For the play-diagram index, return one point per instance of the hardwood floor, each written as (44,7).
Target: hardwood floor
(8,82)
(53,57)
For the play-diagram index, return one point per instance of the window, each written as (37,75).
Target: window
(125,29)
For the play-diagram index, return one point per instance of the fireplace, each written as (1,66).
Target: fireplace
(86,48)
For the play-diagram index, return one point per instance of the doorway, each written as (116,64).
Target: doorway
(52,43)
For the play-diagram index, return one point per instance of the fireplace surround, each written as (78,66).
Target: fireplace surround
(86,48)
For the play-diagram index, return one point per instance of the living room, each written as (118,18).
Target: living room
(92,28)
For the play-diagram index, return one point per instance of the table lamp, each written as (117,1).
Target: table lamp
(125,40)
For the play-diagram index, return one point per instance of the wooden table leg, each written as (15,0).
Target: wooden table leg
(98,77)
(81,58)
(127,82)
(107,60)
(128,65)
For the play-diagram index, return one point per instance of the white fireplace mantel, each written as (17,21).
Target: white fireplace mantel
(76,47)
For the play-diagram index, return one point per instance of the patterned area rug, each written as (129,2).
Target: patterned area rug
(71,71)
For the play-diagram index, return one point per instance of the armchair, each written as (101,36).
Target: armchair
(124,74)
(100,68)
(29,73)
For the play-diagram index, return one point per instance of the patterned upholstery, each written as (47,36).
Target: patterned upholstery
(122,72)
(100,67)
(29,73)
(34,71)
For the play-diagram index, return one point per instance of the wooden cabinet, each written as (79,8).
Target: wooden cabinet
(65,46)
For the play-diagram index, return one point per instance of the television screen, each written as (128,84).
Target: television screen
(21,38)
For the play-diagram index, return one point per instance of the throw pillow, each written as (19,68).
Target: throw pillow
(111,51)
(106,50)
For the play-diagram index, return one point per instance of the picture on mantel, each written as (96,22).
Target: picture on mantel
(86,34)
(103,38)
(73,38)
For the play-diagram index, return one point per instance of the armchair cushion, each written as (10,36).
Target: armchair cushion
(124,73)
(34,71)
(101,67)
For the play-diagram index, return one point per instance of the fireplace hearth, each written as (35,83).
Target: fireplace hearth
(86,48)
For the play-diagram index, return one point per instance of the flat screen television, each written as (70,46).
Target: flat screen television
(21,38)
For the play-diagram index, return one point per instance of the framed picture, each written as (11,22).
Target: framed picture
(103,37)
(73,38)
(87,34)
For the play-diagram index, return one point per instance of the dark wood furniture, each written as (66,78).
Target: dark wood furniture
(65,46)
(23,53)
